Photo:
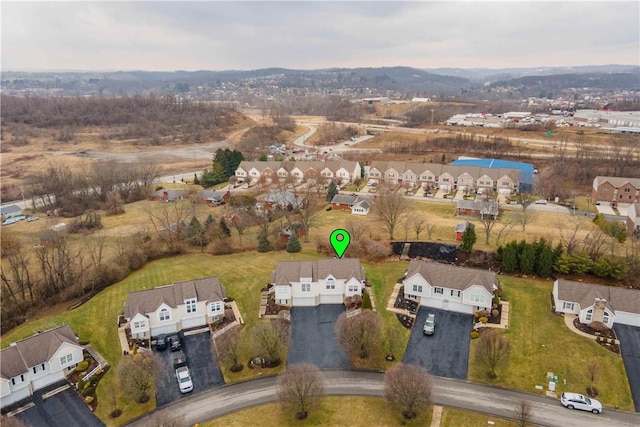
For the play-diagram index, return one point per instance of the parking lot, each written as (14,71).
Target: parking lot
(203,366)
(629,337)
(446,352)
(313,339)
(63,409)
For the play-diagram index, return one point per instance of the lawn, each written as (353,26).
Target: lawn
(333,411)
(541,343)
(460,418)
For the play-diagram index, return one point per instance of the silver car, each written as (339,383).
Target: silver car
(429,325)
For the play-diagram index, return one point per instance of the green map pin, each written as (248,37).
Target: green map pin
(340,240)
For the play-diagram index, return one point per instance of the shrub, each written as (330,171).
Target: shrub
(474,335)
(366,302)
(495,312)
(88,399)
(81,384)
(476,315)
(328,208)
(82,366)
(483,319)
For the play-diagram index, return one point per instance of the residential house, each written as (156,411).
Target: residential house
(324,281)
(341,171)
(172,308)
(477,208)
(615,190)
(168,195)
(213,197)
(10,211)
(597,303)
(37,362)
(288,230)
(357,205)
(282,200)
(633,220)
(448,287)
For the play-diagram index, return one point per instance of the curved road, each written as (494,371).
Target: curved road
(459,394)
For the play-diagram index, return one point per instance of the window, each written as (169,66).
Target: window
(15,380)
(417,288)
(331,283)
(65,360)
(567,305)
(605,318)
(38,368)
(138,325)
(191,305)
(455,293)
(588,316)
(306,287)
(215,306)
(165,315)
(438,291)
(353,288)
(477,298)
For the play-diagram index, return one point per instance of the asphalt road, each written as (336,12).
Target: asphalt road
(629,337)
(447,392)
(446,352)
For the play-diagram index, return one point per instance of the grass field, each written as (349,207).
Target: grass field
(336,411)
(459,418)
(541,343)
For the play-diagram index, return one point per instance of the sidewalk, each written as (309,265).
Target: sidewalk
(392,301)
(504,319)
(568,320)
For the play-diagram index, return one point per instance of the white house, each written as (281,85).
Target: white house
(325,281)
(172,308)
(465,290)
(37,362)
(597,303)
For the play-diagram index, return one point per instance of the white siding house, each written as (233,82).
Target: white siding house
(37,362)
(172,308)
(325,281)
(597,303)
(460,289)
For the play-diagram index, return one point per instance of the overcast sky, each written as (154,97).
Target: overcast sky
(307,35)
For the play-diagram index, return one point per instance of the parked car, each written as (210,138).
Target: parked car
(541,202)
(429,325)
(184,379)
(161,342)
(578,401)
(174,342)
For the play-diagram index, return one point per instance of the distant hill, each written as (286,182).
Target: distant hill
(494,74)
(620,81)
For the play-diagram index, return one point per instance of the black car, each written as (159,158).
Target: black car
(174,342)
(161,342)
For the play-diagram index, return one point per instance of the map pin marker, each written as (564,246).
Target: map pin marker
(340,240)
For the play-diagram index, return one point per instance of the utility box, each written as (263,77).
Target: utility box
(552,386)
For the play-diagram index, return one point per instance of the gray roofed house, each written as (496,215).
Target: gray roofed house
(324,281)
(597,303)
(181,305)
(37,362)
(282,199)
(478,208)
(356,204)
(10,210)
(449,287)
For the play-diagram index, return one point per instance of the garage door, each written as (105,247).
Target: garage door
(304,301)
(47,379)
(458,307)
(331,299)
(15,396)
(164,329)
(432,302)
(625,318)
(193,322)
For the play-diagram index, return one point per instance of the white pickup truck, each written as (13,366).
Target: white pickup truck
(182,374)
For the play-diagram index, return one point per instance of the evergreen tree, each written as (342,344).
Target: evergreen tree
(331,191)
(562,264)
(224,229)
(209,222)
(293,245)
(264,245)
(196,234)
(196,181)
(510,258)
(468,239)
(527,258)
(545,261)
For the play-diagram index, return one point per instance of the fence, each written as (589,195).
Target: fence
(223,330)
(352,313)
(93,371)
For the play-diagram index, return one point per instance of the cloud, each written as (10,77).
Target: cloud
(249,35)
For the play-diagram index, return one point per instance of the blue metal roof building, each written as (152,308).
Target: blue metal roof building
(526,169)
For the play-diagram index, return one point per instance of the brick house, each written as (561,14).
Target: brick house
(615,190)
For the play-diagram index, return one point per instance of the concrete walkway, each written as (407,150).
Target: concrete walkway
(369,290)
(437,416)
(504,319)
(568,320)
(392,301)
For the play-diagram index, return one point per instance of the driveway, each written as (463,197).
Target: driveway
(629,337)
(203,366)
(446,352)
(312,337)
(63,409)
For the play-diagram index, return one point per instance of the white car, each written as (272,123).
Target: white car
(578,401)
(429,325)
(541,202)
(184,379)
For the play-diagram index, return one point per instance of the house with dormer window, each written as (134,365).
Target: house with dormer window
(448,287)
(310,283)
(172,308)
(36,362)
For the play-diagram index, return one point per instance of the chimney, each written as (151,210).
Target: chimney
(598,310)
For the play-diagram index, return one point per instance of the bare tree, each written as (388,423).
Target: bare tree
(488,218)
(270,339)
(61,266)
(114,203)
(503,233)
(418,223)
(593,369)
(522,413)
(229,348)
(359,335)
(308,212)
(525,216)
(300,388)
(136,374)
(568,231)
(357,230)
(95,248)
(492,350)
(169,220)
(431,228)
(390,207)
(409,387)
